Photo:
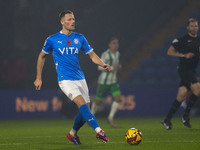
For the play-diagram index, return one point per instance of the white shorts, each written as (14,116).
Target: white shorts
(74,88)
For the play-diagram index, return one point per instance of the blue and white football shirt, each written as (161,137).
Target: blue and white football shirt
(66,51)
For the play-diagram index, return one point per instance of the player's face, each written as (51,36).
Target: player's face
(114,45)
(193,28)
(68,22)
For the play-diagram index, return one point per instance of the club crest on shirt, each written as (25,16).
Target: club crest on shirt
(76,41)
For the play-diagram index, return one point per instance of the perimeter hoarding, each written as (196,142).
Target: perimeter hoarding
(51,104)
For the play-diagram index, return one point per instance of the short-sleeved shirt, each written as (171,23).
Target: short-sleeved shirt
(66,51)
(186,44)
(112,59)
(187,67)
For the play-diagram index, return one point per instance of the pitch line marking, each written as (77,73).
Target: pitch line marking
(7,144)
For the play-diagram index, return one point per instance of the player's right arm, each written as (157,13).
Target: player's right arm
(40,64)
(172,52)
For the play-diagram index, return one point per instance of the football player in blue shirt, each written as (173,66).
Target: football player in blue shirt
(65,47)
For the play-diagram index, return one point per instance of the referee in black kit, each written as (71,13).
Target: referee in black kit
(187,48)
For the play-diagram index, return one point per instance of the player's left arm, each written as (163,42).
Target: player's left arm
(93,56)
(117,67)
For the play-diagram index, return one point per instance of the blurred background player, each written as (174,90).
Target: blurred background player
(107,81)
(65,47)
(187,48)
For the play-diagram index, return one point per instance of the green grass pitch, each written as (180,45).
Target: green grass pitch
(49,134)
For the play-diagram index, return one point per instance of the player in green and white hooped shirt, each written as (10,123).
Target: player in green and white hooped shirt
(107,81)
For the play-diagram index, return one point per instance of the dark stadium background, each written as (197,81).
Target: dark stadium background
(145,29)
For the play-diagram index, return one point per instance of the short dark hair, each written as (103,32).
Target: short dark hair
(112,39)
(64,12)
(191,20)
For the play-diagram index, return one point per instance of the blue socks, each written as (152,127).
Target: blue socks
(79,121)
(88,116)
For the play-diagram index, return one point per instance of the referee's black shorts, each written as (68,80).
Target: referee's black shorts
(187,77)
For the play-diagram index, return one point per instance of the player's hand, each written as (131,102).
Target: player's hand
(38,84)
(107,67)
(189,55)
(117,67)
